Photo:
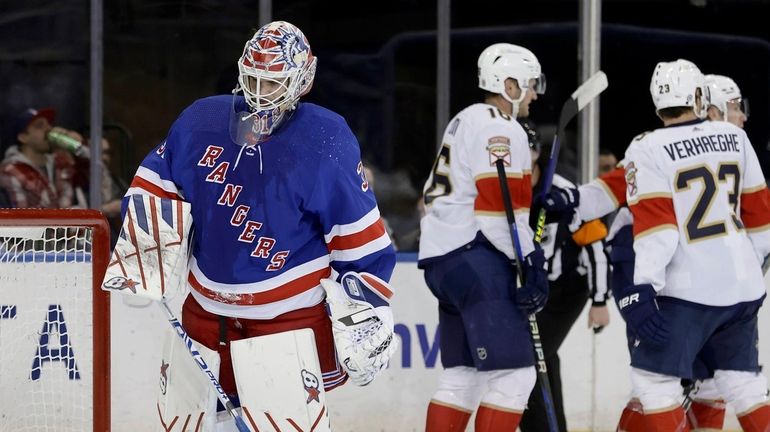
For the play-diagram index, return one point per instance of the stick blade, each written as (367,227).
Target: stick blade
(591,88)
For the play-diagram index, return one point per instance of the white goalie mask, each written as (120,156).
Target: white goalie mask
(675,84)
(276,68)
(723,90)
(501,61)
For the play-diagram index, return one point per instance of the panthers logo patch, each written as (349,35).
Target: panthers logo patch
(499,148)
(631,171)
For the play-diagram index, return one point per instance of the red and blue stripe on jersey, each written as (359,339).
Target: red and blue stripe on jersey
(274,220)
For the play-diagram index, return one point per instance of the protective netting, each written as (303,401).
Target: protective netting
(46,329)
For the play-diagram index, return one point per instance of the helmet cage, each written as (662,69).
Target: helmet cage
(276,68)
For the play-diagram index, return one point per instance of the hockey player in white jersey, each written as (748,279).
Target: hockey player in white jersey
(608,193)
(707,409)
(466,251)
(701,217)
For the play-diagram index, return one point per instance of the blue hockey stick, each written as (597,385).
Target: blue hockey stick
(584,94)
(534,330)
(196,355)
(579,99)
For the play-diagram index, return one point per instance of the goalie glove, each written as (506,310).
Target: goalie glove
(362,324)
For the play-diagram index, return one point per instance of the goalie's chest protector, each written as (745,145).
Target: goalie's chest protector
(258,212)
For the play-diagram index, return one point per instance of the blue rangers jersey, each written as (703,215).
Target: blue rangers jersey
(270,220)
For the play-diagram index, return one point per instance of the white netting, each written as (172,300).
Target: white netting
(46,329)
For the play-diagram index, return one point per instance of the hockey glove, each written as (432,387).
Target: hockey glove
(561,200)
(362,324)
(531,297)
(150,264)
(640,310)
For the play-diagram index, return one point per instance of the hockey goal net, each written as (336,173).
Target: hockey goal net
(54,321)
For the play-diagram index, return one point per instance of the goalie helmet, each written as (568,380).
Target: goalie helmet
(723,90)
(675,84)
(502,61)
(276,68)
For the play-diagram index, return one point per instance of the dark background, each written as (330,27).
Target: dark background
(377,65)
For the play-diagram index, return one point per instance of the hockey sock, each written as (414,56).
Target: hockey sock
(490,418)
(670,420)
(446,418)
(756,420)
(707,414)
(632,419)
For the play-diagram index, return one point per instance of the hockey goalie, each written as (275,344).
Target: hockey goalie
(258,205)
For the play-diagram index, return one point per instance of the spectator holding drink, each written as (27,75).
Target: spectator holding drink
(37,172)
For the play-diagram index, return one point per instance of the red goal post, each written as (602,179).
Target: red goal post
(54,320)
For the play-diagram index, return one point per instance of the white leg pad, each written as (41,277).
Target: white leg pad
(509,388)
(656,391)
(280,383)
(186,397)
(742,390)
(706,390)
(460,386)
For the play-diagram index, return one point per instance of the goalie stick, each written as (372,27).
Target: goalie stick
(193,350)
(584,94)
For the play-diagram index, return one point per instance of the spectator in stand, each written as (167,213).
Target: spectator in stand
(607,161)
(112,190)
(33,173)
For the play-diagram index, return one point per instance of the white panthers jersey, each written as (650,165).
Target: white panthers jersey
(602,195)
(701,212)
(462,194)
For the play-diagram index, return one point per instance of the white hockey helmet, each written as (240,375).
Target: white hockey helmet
(723,90)
(501,61)
(276,68)
(674,84)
